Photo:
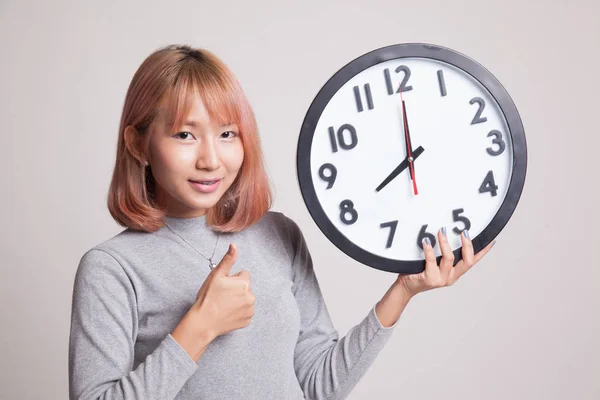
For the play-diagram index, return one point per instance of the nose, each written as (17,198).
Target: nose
(208,156)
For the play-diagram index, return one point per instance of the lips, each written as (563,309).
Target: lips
(206,186)
(206,180)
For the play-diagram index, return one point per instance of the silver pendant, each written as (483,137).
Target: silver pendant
(211,264)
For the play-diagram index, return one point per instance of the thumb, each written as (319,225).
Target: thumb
(227,261)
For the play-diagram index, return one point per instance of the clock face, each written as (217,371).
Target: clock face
(402,103)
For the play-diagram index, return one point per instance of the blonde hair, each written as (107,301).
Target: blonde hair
(171,75)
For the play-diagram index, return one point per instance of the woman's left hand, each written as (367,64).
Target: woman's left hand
(435,276)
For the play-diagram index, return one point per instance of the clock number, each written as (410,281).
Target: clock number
(478,119)
(403,87)
(458,218)
(489,184)
(455,216)
(357,97)
(392,225)
(424,234)
(498,140)
(442,82)
(330,179)
(341,139)
(347,207)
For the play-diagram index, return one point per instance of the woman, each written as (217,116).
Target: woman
(208,294)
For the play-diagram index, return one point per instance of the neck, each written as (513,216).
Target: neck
(186,224)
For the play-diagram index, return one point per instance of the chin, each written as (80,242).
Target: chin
(206,203)
(196,200)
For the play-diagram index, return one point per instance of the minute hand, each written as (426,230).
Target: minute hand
(411,160)
(401,167)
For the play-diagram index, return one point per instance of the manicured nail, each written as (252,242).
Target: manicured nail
(426,241)
(444,230)
(493,243)
(466,232)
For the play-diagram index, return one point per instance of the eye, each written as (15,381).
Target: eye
(228,134)
(180,134)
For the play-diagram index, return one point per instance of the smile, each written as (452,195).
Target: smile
(206,186)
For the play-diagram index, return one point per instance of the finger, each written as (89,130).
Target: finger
(243,275)
(431,267)
(235,283)
(447,260)
(484,251)
(227,261)
(468,258)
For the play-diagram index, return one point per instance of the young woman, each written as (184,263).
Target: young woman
(206,293)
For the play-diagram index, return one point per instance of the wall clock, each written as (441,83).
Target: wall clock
(406,139)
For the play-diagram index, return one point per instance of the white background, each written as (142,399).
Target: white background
(523,324)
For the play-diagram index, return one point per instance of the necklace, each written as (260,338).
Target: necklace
(211,264)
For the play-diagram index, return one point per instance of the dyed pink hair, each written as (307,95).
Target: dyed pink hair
(170,76)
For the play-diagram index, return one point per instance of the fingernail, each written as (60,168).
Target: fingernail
(426,241)
(493,243)
(466,232)
(444,230)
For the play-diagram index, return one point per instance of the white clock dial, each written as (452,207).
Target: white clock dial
(463,172)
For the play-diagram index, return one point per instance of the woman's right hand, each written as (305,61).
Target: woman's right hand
(224,303)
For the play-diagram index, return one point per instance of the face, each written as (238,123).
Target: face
(195,165)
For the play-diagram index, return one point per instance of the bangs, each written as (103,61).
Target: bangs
(217,92)
(163,90)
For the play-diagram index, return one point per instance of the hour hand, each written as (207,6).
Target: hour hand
(401,167)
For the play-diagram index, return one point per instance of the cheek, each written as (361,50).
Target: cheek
(234,157)
(168,164)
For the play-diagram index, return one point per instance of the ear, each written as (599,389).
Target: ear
(133,143)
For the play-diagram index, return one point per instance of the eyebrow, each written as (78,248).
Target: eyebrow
(194,124)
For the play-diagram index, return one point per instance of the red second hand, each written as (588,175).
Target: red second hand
(410,157)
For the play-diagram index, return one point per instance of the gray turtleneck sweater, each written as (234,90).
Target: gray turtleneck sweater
(132,290)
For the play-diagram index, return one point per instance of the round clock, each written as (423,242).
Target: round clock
(404,140)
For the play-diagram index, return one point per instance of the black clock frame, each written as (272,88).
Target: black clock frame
(459,60)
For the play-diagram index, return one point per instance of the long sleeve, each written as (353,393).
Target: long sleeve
(326,366)
(102,337)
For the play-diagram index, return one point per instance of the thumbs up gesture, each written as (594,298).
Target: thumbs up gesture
(224,303)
